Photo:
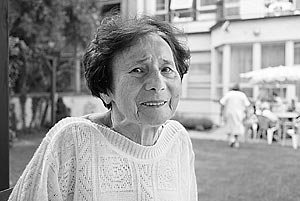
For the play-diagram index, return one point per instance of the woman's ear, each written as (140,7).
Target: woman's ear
(106,98)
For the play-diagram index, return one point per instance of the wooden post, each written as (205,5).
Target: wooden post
(53,91)
(4,136)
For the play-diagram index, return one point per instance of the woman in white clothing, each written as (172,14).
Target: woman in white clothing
(132,152)
(234,105)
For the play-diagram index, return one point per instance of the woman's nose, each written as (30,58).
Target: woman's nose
(155,82)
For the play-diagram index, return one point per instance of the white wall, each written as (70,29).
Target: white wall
(252,9)
(258,30)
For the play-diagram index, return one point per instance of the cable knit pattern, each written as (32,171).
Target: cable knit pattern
(80,160)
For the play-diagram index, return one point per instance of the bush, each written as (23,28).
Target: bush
(194,122)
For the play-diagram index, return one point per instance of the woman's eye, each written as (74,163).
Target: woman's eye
(167,70)
(136,70)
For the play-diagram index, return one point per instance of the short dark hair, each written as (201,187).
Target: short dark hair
(236,87)
(116,34)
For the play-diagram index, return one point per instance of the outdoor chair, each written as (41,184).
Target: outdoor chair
(291,128)
(265,125)
(5,194)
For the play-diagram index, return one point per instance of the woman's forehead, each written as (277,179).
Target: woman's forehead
(146,48)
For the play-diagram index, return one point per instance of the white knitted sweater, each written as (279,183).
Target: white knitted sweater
(80,160)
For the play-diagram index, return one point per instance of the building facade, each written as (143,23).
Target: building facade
(225,38)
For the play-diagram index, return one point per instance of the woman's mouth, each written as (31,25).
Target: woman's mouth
(154,103)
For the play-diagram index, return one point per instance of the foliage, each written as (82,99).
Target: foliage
(41,32)
(48,28)
(194,122)
(18,55)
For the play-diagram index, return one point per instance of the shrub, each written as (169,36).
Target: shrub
(194,122)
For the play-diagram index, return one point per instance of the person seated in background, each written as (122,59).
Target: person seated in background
(251,122)
(62,110)
(276,98)
(266,112)
(292,106)
(277,105)
(273,120)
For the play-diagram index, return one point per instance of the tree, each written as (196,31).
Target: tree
(43,29)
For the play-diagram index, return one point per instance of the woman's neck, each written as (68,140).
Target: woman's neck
(146,136)
(139,133)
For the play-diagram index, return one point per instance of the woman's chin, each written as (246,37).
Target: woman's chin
(155,120)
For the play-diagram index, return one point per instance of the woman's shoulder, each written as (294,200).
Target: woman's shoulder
(174,126)
(183,138)
(99,118)
(67,127)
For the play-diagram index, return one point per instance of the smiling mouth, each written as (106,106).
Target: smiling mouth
(154,103)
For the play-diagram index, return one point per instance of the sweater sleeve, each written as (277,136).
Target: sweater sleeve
(47,175)
(32,185)
(193,181)
(188,164)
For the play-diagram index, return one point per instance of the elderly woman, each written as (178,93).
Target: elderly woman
(132,152)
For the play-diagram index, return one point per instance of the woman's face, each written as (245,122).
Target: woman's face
(146,85)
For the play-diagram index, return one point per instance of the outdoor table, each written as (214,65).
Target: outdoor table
(286,119)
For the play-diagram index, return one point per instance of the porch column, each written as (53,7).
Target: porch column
(213,73)
(4,100)
(289,61)
(226,68)
(77,74)
(256,65)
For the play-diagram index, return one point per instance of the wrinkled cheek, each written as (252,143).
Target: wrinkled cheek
(176,97)
(174,102)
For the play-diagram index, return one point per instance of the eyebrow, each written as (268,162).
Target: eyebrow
(167,61)
(148,58)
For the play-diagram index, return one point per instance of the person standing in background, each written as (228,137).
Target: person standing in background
(233,110)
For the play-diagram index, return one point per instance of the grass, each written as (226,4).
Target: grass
(21,153)
(257,172)
(253,172)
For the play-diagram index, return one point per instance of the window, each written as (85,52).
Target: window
(297,5)
(182,11)
(279,7)
(199,76)
(179,4)
(297,53)
(241,61)
(162,5)
(297,62)
(273,54)
(206,9)
(231,9)
(207,2)
(162,10)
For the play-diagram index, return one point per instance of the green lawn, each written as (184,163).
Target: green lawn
(254,172)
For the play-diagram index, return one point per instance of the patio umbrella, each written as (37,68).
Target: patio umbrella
(273,75)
